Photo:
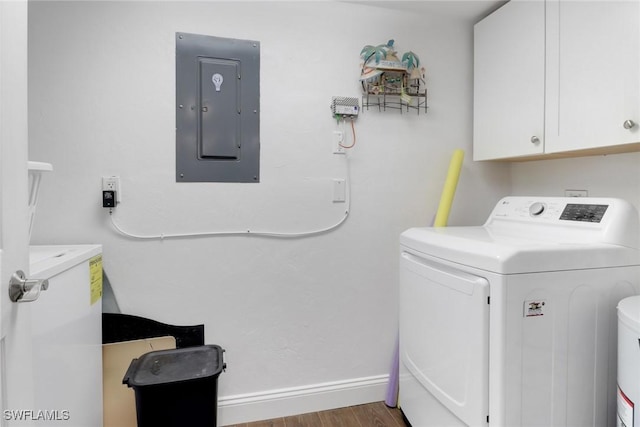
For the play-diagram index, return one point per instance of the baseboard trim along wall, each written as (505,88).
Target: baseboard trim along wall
(299,400)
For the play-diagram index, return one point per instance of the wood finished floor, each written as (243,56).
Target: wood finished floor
(370,415)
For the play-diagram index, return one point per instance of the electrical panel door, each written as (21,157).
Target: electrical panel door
(218,109)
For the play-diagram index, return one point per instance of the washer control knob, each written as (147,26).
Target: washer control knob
(536,209)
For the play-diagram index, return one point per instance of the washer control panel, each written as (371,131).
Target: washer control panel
(584,213)
(568,219)
(552,209)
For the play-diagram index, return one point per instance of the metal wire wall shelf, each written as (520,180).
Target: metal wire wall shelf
(393,98)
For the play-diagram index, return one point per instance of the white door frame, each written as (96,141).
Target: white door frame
(15,331)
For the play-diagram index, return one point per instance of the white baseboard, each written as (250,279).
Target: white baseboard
(299,400)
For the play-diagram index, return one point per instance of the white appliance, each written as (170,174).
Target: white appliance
(629,362)
(67,335)
(513,323)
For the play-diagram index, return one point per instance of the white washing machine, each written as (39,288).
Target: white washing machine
(66,331)
(513,323)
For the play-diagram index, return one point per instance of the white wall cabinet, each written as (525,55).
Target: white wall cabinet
(509,82)
(559,78)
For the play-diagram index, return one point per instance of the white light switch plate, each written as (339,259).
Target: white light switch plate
(339,190)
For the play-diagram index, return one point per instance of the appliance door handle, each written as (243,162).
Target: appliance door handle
(450,277)
(22,289)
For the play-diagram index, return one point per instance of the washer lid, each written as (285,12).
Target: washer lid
(489,249)
(47,261)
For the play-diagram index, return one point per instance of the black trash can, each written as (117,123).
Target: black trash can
(178,387)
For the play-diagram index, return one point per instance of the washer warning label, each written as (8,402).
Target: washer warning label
(534,308)
(625,410)
(95,278)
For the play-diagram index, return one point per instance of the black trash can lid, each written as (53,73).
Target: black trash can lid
(175,365)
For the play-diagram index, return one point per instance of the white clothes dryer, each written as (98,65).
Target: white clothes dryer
(513,323)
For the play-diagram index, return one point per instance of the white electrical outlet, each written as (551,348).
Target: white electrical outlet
(112,183)
(576,193)
(338,139)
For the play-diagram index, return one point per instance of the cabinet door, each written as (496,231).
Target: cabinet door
(593,81)
(509,49)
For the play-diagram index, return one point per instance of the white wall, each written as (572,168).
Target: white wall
(289,312)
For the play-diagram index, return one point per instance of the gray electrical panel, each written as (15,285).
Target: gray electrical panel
(217,109)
